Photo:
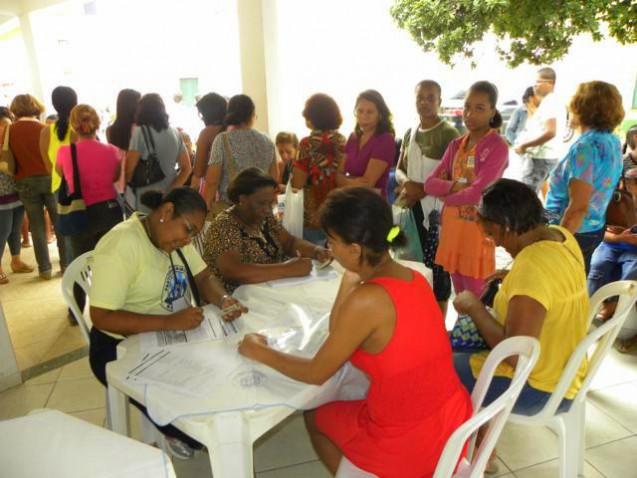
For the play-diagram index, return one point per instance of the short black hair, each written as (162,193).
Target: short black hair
(358,215)
(430,84)
(247,182)
(151,111)
(213,108)
(528,94)
(240,110)
(513,205)
(185,200)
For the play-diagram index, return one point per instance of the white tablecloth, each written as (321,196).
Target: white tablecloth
(51,444)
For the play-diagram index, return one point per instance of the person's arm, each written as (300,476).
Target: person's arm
(58,162)
(579,196)
(439,182)
(525,316)
(128,323)
(185,168)
(201,159)
(213,177)
(233,269)
(624,237)
(299,178)
(548,133)
(355,322)
(401,167)
(274,169)
(212,292)
(132,158)
(45,139)
(487,172)
(382,156)
(511,131)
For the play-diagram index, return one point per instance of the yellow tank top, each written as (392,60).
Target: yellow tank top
(54,145)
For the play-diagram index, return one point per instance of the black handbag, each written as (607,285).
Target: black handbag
(148,170)
(71,209)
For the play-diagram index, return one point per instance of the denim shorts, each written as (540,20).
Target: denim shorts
(530,401)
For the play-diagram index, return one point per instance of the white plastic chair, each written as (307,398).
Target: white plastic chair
(79,271)
(527,349)
(569,426)
(494,415)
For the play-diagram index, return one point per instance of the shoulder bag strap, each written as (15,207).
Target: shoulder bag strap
(191,279)
(77,188)
(148,139)
(232,167)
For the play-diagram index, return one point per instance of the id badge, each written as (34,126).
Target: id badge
(471,162)
(181,304)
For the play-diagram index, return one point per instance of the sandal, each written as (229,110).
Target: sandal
(22,268)
(3,278)
(626,346)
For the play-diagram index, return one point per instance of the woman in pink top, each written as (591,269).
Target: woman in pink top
(470,164)
(99,167)
(370,149)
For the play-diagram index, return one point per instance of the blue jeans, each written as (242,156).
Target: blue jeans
(315,236)
(588,242)
(10,225)
(530,401)
(35,193)
(609,264)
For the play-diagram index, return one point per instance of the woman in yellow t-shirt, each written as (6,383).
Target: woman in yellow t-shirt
(544,295)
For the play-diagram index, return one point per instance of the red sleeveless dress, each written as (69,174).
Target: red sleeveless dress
(415,400)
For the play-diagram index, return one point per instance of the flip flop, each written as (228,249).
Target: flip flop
(22,268)
(625,346)
(3,278)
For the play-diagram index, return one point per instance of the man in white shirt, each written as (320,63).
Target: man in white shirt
(538,146)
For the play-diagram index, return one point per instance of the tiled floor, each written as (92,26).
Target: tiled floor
(36,314)
(285,452)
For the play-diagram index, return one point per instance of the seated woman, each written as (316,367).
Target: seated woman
(141,282)
(381,315)
(543,295)
(245,245)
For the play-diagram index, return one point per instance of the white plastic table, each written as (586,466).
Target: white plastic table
(52,444)
(228,434)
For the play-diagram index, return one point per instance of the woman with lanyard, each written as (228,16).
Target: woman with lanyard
(147,277)
(470,164)
(423,146)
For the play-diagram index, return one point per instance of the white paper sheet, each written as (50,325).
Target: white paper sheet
(213,327)
(326,273)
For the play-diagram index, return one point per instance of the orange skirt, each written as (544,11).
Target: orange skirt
(463,248)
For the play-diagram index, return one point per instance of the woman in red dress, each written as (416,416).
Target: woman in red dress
(386,321)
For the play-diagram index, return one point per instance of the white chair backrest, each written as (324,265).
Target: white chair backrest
(600,340)
(527,349)
(79,271)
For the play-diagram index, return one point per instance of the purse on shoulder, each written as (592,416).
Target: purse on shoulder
(148,170)
(71,209)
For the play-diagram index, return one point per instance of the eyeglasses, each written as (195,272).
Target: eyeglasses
(190,229)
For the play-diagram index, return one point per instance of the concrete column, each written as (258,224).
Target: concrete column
(34,66)
(251,45)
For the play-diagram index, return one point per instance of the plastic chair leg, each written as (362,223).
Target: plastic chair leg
(570,428)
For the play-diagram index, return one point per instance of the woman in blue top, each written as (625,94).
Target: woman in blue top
(581,185)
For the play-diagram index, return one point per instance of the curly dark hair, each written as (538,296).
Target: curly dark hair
(512,205)
(322,111)
(151,111)
(247,182)
(598,105)
(213,108)
(385,124)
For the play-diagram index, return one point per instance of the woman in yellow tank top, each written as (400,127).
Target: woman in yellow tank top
(59,133)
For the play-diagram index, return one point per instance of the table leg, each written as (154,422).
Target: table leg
(230,446)
(117,410)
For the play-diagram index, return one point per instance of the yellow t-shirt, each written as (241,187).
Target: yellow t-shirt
(54,146)
(551,273)
(130,273)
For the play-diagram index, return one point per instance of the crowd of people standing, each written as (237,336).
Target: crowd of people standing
(146,202)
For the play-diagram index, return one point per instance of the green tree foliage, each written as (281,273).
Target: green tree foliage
(533,31)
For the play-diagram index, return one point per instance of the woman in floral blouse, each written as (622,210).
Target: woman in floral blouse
(320,155)
(245,244)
